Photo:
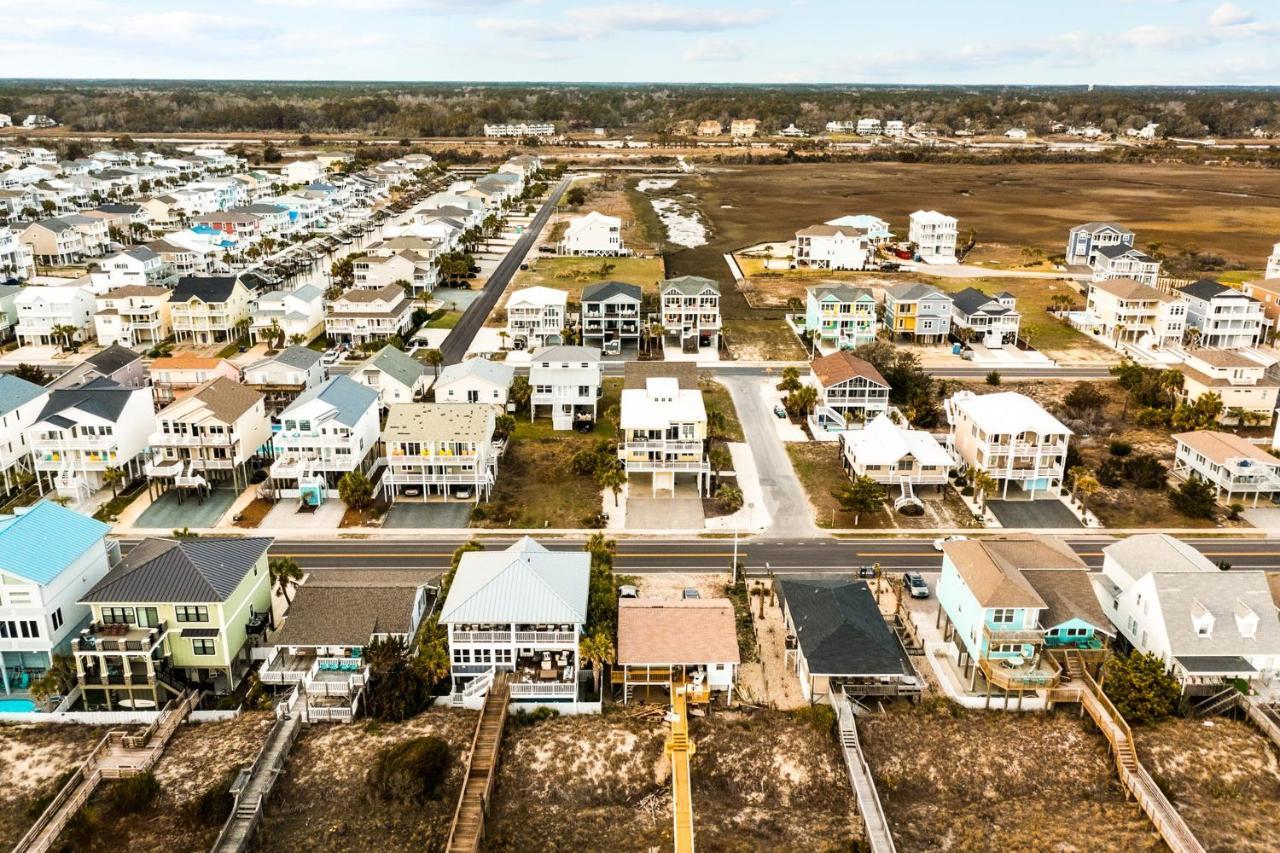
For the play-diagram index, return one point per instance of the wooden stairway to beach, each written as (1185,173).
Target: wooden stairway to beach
(473,803)
(874,822)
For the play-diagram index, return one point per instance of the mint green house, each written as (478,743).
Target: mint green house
(173,615)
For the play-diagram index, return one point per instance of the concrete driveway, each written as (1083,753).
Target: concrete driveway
(784,497)
(405,515)
(1034,515)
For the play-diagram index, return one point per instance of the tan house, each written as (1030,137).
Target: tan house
(667,642)
(710,127)
(136,315)
(1235,467)
(1266,291)
(209,436)
(1243,383)
(209,309)
(176,376)
(361,315)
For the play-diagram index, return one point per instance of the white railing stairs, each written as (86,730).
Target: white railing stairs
(908,496)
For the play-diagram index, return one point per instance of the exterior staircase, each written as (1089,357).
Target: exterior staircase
(1217,703)
(876,826)
(473,803)
(907,495)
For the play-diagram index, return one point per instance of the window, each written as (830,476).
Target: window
(118,616)
(57,619)
(19,598)
(202,647)
(1002,616)
(191,613)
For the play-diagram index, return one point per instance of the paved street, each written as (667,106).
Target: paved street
(784,497)
(455,346)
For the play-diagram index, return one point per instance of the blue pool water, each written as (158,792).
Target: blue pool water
(17,706)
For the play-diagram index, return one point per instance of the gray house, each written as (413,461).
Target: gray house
(611,313)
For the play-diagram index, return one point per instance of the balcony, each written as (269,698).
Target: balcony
(544,690)
(661,445)
(336,677)
(169,439)
(1023,634)
(1018,674)
(118,638)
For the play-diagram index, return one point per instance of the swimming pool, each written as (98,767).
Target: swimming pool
(17,706)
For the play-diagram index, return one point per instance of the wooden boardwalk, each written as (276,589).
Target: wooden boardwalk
(864,787)
(679,747)
(473,803)
(117,756)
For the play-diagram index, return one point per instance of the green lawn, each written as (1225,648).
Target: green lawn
(716,396)
(573,274)
(447,320)
(1237,277)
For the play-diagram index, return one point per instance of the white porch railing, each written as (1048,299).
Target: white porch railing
(544,690)
(546,637)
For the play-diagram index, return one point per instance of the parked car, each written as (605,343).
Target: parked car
(914,583)
(866,571)
(524,266)
(938,543)
(780,411)
(330,357)
(628,591)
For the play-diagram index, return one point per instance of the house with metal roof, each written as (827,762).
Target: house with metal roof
(595,234)
(83,431)
(520,610)
(327,431)
(48,556)
(831,247)
(839,316)
(663,643)
(838,640)
(209,437)
(475,380)
(610,315)
(173,614)
(895,455)
(441,449)
(397,376)
(664,433)
(536,317)
(1123,261)
(20,404)
(1207,625)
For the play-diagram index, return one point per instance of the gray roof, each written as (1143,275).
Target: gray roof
(566,352)
(1156,552)
(210,288)
(344,614)
(602,290)
(912,291)
(498,372)
(843,292)
(1222,594)
(971,300)
(112,359)
(15,392)
(523,583)
(1207,288)
(1116,250)
(689,285)
(101,397)
(348,397)
(399,365)
(179,570)
(303,358)
(1093,227)
(840,628)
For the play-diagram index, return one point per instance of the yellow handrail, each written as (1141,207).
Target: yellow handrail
(681,748)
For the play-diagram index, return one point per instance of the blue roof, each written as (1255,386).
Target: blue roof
(15,392)
(40,543)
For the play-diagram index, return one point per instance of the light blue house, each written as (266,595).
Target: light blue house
(1014,605)
(49,557)
(877,229)
(840,316)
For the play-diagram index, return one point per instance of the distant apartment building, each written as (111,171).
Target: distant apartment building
(519,130)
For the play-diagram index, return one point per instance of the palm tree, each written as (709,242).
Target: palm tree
(503,334)
(435,358)
(67,332)
(284,574)
(612,477)
(297,339)
(983,484)
(113,477)
(276,334)
(596,650)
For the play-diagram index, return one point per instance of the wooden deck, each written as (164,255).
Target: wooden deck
(679,747)
(473,803)
(117,756)
(864,787)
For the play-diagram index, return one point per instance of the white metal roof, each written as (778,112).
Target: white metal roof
(882,442)
(524,583)
(661,403)
(1007,412)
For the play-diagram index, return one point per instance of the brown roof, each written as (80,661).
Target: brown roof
(226,398)
(185,362)
(993,574)
(830,231)
(653,631)
(1220,446)
(1127,288)
(1270,285)
(1273,581)
(387,293)
(345,615)
(1068,594)
(1205,379)
(1223,358)
(636,374)
(842,366)
(136,290)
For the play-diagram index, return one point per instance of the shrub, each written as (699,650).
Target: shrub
(1140,688)
(36,807)
(1120,448)
(1084,398)
(537,715)
(213,806)
(411,771)
(1146,472)
(729,498)
(133,794)
(1195,498)
(967,491)
(821,717)
(1111,473)
(1233,511)
(993,378)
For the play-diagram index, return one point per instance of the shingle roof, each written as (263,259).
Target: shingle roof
(970,300)
(1127,288)
(1207,288)
(1119,250)
(498,372)
(842,366)
(913,291)
(15,392)
(43,541)
(1220,446)
(182,570)
(213,288)
(603,290)
(566,352)
(226,398)
(112,359)
(636,374)
(349,398)
(840,628)
(842,292)
(399,365)
(992,568)
(300,357)
(653,631)
(689,285)
(324,613)
(1068,594)
(101,397)
(523,583)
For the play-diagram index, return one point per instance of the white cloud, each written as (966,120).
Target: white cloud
(715,50)
(1230,15)
(586,23)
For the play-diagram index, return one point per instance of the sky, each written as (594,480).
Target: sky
(1105,42)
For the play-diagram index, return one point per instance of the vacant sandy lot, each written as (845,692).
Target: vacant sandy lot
(32,760)
(978,780)
(1223,776)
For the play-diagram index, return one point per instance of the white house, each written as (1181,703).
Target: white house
(849,386)
(934,235)
(1121,261)
(664,431)
(1224,317)
(877,230)
(20,404)
(832,247)
(45,311)
(1273,262)
(302,171)
(367,315)
(280,378)
(1084,241)
(1206,625)
(209,436)
(1015,133)
(1234,466)
(287,315)
(1010,437)
(1128,311)
(396,376)
(992,321)
(475,380)
(136,265)
(690,312)
(328,431)
(49,556)
(16,257)
(536,317)
(567,381)
(136,315)
(83,431)
(595,233)
(520,610)
(439,448)
(894,455)
(386,265)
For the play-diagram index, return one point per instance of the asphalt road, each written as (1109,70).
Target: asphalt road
(455,345)
(808,556)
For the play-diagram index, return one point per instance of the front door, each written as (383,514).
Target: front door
(148,617)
